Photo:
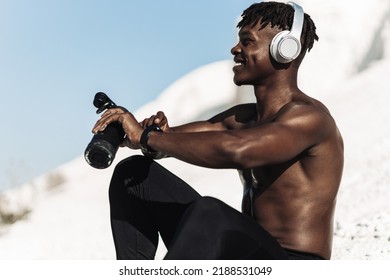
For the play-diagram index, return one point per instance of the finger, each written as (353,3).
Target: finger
(104,122)
(123,109)
(151,120)
(160,116)
(143,123)
(163,121)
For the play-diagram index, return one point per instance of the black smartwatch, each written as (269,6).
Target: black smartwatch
(146,150)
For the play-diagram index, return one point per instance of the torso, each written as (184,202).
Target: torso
(295,200)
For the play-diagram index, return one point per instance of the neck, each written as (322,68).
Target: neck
(273,95)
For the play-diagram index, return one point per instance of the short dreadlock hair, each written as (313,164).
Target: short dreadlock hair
(280,15)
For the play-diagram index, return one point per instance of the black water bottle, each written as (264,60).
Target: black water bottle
(101,151)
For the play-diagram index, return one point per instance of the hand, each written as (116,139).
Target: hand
(159,119)
(131,127)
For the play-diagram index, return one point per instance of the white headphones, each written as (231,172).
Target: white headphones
(286,45)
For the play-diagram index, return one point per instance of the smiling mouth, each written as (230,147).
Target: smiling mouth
(239,62)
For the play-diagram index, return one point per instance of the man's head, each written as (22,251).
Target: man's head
(259,25)
(279,16)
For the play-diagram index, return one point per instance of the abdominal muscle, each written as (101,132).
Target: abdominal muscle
(290,215)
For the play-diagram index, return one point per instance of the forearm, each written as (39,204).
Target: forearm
(198,126)
(208,148)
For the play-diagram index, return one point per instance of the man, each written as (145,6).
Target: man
(286,147)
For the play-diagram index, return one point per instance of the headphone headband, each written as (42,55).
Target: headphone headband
(297,25)
(286,45)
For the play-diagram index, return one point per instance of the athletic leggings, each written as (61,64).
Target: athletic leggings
(146,200)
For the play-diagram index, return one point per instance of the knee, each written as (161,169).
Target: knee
(134,166)
(129,171)
(206,207)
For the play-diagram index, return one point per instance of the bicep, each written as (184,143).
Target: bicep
(277,142)
(273,144)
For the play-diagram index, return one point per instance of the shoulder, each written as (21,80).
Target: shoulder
(309,117)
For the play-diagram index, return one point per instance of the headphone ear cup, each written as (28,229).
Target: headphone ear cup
(274,46)
(285,48)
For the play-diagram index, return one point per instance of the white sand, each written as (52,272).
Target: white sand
(71,221)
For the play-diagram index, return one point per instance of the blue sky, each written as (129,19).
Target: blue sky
(55,55)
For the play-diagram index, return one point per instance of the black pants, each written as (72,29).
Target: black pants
(146,199)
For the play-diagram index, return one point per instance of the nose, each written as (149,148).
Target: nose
(236,49)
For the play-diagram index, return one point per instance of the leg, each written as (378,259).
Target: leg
(145,199)
(210,229)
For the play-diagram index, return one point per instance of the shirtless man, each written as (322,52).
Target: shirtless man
(286,147)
